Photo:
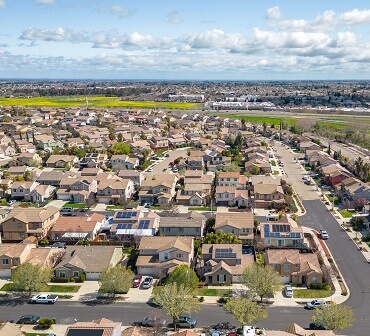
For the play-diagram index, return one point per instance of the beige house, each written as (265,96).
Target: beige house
(28,159)
(21,190)
(295,267)
(191,225)
(232,179)
(268,195)
(77,189)
(62,161)
(25,222)
(241,224)
(90,260)
(160,255)
(158,188)
(111,190)
(224,263)
(10,329)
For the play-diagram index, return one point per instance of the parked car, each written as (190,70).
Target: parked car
(10,202)
(44,298)
(324,235)
(151,321)
(167,155)
(69,214)
(150,169)
(147,205)
(147,283)
(136,282)
(316,326)
(316,303)
(288,290)
(29,319)
(186,322)
(308,182)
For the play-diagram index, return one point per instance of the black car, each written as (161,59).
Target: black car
(186,322)
(316,326)
(29,319)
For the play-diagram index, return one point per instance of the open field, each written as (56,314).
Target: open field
(93,101)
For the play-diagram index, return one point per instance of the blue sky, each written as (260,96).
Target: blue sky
(188,39)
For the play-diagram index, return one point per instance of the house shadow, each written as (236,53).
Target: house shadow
(13,301)
(91,299)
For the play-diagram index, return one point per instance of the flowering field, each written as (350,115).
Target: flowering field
(93,101)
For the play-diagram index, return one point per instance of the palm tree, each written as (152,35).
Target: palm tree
(359,166)
(365,171)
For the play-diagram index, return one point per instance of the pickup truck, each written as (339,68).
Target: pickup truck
(44,298)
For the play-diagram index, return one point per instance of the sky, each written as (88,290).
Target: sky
(185,39)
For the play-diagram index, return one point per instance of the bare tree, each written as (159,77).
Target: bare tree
(157,318)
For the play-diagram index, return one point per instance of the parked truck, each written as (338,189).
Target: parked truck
(44,298)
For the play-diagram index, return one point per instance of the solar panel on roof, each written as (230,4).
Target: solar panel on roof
(119,214)
(144,224)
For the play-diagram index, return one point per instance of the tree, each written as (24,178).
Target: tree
(121,148)
(221,237)
(114,280)
(245,311)
(30,278)
(90,202)
(359,203)
(176,300)
(333,316)
(261,280)
(184,275)
(358,223)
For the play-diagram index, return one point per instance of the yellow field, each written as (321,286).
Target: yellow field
(94,101)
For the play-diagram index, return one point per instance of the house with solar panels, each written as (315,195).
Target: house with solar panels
(224,263)
(130,224)
(285,233)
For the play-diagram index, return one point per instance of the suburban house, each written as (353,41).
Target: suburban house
(77,228)
(158,188)
(295,267)
(41,194)
(224,263)
(191,225)
(28,159)
(135,176)
(258,166)
(111,190)
(130,224)
(48,142)
(161,255)
(308,145)
(197,189)
(21,190)
(93,160)
(54,177)
(283,233)
(14,254)
(230,196)
(100,327)
(10,329)
(124,161)
(268,195)
(232,179)
(352,189)
(158,142)
(241,224)
(194,163)
(62,161)
(77,189)
(25,222)
(17,170)
(90,260)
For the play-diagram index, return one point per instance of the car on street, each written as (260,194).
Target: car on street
(288,291)
(147,283)
(10,202)
(150,169)
(167,155)
(186,322)
(324,235)
(136,282)
(151,322)
(29,319)
(44,298)
(317,303)
(308,182)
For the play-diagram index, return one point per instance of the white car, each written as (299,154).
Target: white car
(288,290)
(324,235)
(316,304)
(150,169)
(10,202)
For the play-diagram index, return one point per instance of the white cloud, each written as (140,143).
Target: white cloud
(354,17)
(273,13)
(44,2)
(2,4)
(215,38)
(173,17)
(118,10)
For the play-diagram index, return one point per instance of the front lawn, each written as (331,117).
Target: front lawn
(212,292)
(49,288)
(75,205)
(115,207)
(347,213)
(332,198)
(200,208)
(311,293)
(28,205)
(276,172)
(160,152)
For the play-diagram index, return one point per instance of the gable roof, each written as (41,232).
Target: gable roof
(163,243)
(28,215)
(237,219)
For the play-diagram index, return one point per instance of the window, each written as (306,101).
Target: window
(274,266)
(286,267)
(166,256)
(21,235)
(16,261)
(5,261)
(19,225)
(76,274)
(314,279)
(62,274)
(180,255)
(181,229)
(296,265)
(10,234)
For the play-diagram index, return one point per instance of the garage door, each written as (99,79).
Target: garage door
(285,279)
(5,274)
(92,276)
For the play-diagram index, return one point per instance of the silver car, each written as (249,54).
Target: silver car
(316,304)
(288,290)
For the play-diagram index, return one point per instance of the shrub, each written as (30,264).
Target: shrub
(60,280)
(201,299)
(73,279)
(45,323)
(366,238)
(326,287)
(330,260)
(222,300)
(83,277)
(321,259)
(344,293)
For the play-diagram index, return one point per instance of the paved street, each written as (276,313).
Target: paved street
(163,164)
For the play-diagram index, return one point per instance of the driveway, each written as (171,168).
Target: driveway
(57,203)
(139,295)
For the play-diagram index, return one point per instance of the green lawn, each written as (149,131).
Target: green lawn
(273,163)
(50,288)
(311,293)
(347,213)
(75,205)
(332,198)
(200,208)
(276,172)
(115,207)
(160,152)
(212,292)
(28,205)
